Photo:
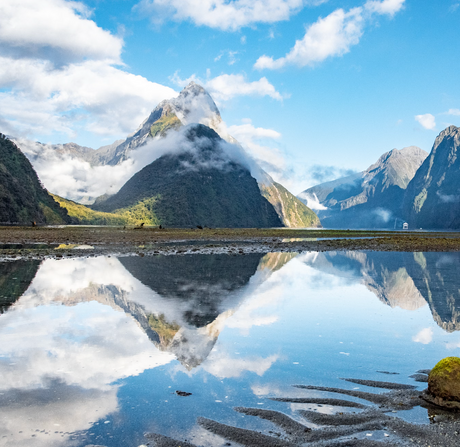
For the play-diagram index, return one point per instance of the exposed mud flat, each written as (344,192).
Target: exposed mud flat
(74,241)
(374,422)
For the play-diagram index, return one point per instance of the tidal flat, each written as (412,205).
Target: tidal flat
(63,241)
(122,337)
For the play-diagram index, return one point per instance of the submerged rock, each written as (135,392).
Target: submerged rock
(444,383)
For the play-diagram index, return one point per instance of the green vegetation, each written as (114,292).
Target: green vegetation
(164,124)
(86,216)
(420,200)
(166,331)
(292,212)
(444,380)
(22,197)
(140,212)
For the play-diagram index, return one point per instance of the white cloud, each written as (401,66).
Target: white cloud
(331,36)
(222,366)
(312,201)
(227,86)
(91,95)
(425,336)
(259,144)
(427,121)
(56,28)
(222,14)
(57,73)
(390,7)
(454,112)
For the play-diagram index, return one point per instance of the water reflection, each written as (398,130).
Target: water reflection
(15,278)
(405,280)
(82,325)
(78,335)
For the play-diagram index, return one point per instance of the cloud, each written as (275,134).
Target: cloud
(225,15)
(222,366)
(91,95)
(312,201)
(258,142)
(454,112)
(427,121)
(77,180)
(390,7)
(448,198)
(56,30)
(227,86)
(58,73)
(331,36)
(324,173)
(425,336)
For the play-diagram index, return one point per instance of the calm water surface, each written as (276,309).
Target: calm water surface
(93,350)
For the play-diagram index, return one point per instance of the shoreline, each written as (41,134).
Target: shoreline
(77,241)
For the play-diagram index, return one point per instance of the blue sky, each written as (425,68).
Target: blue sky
(363,78)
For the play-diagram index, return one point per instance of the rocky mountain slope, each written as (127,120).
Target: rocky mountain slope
(22,197)
(432,199)
(372,198)
(200,184)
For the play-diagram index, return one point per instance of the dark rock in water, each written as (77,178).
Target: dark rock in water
(422,378)
(183,393)
(444,383)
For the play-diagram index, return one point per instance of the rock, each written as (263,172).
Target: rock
(183,393)
(444,383)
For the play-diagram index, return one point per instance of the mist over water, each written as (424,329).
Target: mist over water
(92,350)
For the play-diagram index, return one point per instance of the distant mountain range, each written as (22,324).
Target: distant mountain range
(372,198)
(201,176)
(402,186)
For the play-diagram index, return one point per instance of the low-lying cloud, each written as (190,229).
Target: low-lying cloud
(78,180)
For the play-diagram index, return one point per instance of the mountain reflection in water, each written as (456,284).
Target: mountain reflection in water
(74,333)
(406,280)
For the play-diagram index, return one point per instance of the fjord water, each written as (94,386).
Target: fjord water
(92,350)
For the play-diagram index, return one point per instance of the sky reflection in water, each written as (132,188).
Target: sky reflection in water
(93,350)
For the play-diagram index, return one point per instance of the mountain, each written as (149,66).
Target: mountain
(199,184)
(372,198)
(22,197)
(193,105)
(432,199)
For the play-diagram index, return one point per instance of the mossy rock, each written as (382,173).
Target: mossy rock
(444,383)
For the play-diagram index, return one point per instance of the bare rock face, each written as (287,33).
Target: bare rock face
(432,199)
(444,383)
(371,198)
